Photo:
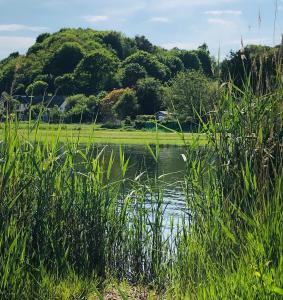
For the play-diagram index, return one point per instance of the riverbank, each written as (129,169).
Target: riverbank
(95,134)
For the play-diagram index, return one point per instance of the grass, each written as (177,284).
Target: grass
(72,234)
(94,134)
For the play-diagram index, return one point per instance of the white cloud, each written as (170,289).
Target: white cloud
(95,19)
(159,20)
(219,21)
(180,45)
(9,44)
(18,27)
(224,12)
(173,4)
(113,10)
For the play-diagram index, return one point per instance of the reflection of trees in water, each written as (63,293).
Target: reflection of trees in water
(170,163)
(170,169)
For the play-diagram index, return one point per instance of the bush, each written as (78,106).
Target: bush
(188,126)
(113,124)
(132,73)
(191,94)
(127,105)
(149,91)
(145,118)
(145,124)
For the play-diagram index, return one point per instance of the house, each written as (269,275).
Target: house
(25,102)
(162,115)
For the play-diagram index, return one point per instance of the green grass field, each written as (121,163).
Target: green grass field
(95,134)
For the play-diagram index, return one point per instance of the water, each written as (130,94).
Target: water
(170,170)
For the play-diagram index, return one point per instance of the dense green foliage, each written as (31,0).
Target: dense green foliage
(73,54)
(127,105)
(149,95)
(64,226)
(257,65)
(131,74)
(96,63)
(64,60)
(37,88)
(190,95)
(80,108)
(63,221)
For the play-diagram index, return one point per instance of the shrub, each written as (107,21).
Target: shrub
(38,88)
(145,118)
(127,105)
(145,124)
(113,124)
(190,94)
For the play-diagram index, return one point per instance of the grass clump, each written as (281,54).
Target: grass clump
(65,230)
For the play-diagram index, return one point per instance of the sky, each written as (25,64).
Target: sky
(186,24)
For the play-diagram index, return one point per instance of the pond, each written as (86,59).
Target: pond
(170,170)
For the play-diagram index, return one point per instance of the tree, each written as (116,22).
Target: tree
(19,89)
(38,88)
(131,74)
(93,108)
(8,76)
(256,64)
(190,59)
(206,62)
(117,42)
(96,71)
(65,59)
(144,44)
(55,114)
(204,47)
(7,103)
(150,63)
(108,102)
(189,94)
(174,63)
(76,108)
(127,105)
(65,84)
(42,37)
(149,95)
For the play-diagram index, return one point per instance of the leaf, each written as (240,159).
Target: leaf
(229,234)
(260,135)
(122,294)
(99,295)
(257,274)
(277,290)
(151,152)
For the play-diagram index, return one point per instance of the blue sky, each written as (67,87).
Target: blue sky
(168,23)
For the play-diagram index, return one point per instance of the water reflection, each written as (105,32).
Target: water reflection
(169,170)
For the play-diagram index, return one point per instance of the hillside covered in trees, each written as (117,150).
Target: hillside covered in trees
(108,75)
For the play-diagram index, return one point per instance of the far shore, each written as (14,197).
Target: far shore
(89,133)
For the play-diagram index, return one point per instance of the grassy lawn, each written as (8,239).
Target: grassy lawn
(95,134)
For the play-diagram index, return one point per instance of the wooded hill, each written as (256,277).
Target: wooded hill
(88,61)
(111,76)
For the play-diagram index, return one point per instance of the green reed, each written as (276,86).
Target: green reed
(66,227)
(233,247)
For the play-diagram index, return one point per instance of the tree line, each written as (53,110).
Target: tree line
(110,76)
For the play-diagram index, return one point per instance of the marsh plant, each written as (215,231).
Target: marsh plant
(62,225)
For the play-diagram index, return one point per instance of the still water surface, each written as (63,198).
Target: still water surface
(170,170)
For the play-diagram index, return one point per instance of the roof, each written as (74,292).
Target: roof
(49,101)
(164,112)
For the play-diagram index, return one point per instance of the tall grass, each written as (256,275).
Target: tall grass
(57,220)
(63,231)
(233,247)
